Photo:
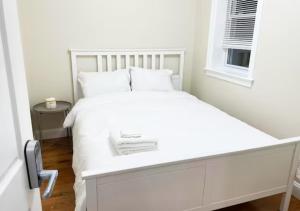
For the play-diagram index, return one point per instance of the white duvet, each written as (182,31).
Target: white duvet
(186,127)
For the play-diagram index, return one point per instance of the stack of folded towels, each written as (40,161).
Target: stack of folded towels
(129,142)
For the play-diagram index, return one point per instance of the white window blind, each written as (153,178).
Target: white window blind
(240,22)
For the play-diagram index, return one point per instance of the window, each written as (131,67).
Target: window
(239,58)
(233,32)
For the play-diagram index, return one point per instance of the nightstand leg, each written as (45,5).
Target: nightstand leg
(39,126)
(68,129)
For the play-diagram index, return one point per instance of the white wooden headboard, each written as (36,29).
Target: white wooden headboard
(146,58)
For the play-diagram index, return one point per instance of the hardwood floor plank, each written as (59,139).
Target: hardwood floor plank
(57,154)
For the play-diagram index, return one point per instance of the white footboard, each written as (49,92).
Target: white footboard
(202,184)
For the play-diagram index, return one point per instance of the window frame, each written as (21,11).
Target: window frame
(231,73)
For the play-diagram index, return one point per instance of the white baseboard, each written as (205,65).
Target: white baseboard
(52,133)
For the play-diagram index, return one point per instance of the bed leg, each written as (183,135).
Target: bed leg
(91,195)
(286,198)
(285,202)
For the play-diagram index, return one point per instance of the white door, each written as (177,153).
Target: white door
(15,122)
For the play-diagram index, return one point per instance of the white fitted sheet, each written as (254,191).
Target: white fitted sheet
(186,127)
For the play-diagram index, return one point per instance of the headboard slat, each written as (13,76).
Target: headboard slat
(118,61)
(161,61)
(99,63)
(136,60)
(153,59)
(115,57)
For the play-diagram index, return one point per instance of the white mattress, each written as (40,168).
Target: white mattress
(187,128)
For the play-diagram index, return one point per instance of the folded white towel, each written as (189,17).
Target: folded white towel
(128,151)
(130,133)
(129,145)
(143,140)
(135,145)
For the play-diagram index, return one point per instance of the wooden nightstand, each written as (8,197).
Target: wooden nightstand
(61,107)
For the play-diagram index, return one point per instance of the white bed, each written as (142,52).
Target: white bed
(206,159)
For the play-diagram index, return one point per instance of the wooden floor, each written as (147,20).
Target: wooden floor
(57,154)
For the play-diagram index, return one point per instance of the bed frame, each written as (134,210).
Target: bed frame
(200,184)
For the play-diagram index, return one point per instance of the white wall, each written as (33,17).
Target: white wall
(50,28)
(273,103)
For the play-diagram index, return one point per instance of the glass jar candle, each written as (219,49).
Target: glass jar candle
(50,103)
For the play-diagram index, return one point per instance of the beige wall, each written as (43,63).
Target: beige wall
(51,27)
(273,103)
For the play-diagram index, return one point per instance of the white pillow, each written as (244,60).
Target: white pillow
(97,83)
(151,80)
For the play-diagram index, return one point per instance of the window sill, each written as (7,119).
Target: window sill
(230,77)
